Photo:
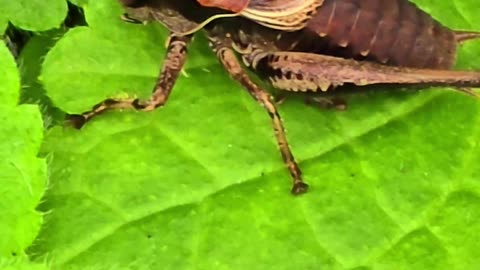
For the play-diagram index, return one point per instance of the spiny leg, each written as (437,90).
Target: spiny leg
(462,36)
(173,63)
(231,64)
(301,72)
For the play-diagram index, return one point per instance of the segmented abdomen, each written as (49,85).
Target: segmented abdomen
(395,32)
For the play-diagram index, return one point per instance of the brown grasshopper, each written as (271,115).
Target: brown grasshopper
(302,45)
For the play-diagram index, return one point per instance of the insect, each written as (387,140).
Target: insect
(302,45)
(233,6)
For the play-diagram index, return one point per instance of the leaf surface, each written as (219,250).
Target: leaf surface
(23,174)
(33,15)
(200,184)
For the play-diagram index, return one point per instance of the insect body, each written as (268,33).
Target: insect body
(310,45)
(233,6)
(400,35)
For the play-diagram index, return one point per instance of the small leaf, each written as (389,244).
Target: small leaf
(33,15)
(23,175)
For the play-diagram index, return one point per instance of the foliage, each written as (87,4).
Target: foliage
(199,184)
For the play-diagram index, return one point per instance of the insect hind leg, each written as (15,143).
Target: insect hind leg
(462,36)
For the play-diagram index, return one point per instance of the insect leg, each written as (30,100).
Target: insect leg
(174,60)
(231,64)
(462,36)
(300,72)
(327,103)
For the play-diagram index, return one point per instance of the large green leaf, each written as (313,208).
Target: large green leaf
(199,184)
(20,264)
(23,175)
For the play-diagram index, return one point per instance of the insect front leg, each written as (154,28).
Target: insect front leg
(230,62)
(173,63)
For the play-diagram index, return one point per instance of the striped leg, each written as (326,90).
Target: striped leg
(231,64)
(174,61)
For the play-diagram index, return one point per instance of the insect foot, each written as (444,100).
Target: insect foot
(76,120)
(299,188)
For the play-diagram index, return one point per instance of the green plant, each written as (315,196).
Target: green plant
(199,184)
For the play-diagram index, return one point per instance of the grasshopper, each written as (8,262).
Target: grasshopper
(300,46)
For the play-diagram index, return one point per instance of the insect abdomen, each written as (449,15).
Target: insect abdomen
(394,32)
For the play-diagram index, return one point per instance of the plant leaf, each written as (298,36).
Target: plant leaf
(23,175)
(20,264)
(199,183)
(33,15)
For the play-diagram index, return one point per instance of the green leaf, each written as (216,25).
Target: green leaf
(31,59)
(199,183)
(23,175)
(34,15)
(20,264)
(3,24)
(80,3)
